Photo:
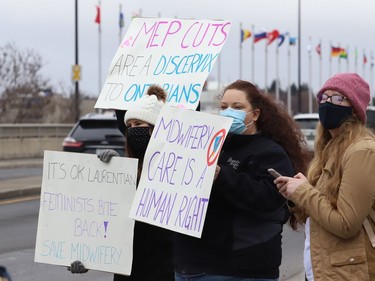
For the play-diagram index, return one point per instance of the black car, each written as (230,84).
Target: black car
(95,132)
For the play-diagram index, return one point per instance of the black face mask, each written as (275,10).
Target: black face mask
(138,139)
(332,116)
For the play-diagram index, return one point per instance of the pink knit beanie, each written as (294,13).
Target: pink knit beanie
(354,88)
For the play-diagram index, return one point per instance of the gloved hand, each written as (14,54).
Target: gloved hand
(4,275)
(107,154)
(77,267)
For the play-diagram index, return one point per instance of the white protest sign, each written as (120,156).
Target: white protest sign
(173,53)
(178,170)
(84,211)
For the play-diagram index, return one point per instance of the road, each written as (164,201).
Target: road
(18,227)
(18,224)
(20,173)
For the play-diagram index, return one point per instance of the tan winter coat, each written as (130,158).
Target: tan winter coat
(340,247)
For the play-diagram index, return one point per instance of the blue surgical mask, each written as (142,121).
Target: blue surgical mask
(238,125)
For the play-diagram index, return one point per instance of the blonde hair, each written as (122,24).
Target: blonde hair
(334,148)
(326,148)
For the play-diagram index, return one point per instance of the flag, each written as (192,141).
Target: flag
(121,20)
(281,40)
(260,36)
(318,49)
(336,51)
(343,54)
(271,36)
(245,34)
(135,15)
(292,41)
(364,59)
(97,19)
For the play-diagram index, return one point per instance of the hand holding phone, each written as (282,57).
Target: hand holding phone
(274,173)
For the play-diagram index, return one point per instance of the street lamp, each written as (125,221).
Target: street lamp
(76,93)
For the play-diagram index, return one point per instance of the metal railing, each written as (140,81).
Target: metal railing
(34,130)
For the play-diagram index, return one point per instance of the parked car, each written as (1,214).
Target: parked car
(370,112)
(95,132)
(307,123)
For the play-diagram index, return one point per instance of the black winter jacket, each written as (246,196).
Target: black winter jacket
(242,231)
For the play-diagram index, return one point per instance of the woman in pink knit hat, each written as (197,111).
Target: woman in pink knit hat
(336,198)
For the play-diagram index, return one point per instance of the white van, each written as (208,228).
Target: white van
(307,123)
(370,112)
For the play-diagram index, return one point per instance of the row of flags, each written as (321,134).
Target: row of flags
(274,34)
(270,36)
(343,53)
(121,22)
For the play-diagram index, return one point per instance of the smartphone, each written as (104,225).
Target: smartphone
(274,173)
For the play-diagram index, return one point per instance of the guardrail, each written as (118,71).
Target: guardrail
(20,131)
(30,140)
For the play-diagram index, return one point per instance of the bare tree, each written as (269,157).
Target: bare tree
(21,84)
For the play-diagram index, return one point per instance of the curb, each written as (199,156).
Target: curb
(11,194)
(21,163)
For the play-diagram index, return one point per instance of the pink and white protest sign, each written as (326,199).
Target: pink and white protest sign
(173,53)
(84,211)
(178,170)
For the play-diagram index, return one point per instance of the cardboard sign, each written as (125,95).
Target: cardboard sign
(84,208)
(178,170)
(173,53)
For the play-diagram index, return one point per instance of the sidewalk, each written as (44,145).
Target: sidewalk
(22,186)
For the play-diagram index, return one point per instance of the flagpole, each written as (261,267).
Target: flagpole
(363,65)
(241,51)
(100,51)
(320,63)
(252,56)
(120,23)
(76,92)
(266,69)
(355,60)
(289,95)
(218,74)
(347,58)
(299,58)
(330,60)
(310,77)
(277,74)
(339,61)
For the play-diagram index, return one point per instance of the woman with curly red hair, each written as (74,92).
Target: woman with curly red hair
(241,238)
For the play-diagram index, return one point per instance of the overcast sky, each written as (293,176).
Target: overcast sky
(47,27)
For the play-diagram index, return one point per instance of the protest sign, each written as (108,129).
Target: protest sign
(84,208)
(178,170)
(175,54)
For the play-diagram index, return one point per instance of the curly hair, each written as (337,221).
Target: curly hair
(276,123)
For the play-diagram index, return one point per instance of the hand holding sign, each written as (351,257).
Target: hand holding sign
(178,170)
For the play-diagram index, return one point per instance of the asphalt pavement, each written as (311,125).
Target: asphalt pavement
(31,185)
(20,186)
